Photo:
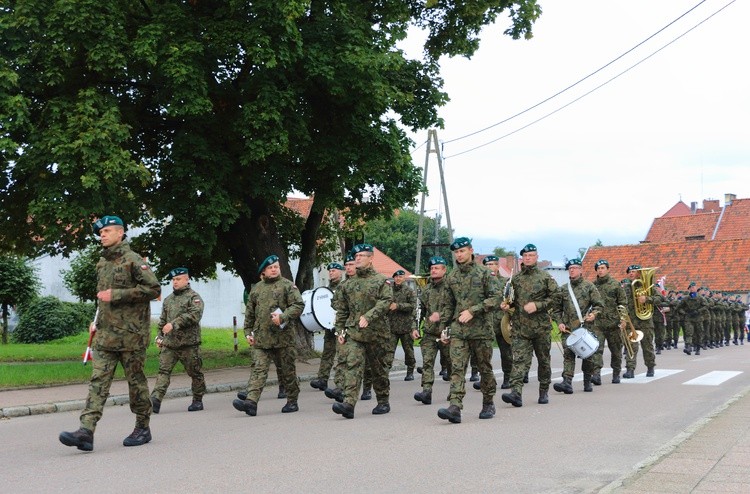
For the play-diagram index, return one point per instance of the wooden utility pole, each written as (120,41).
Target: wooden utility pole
(432,147)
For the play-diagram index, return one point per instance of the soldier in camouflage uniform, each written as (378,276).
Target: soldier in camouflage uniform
(690,309)
(431,298)
(125,287)
(273,308)
(708,303)
(609,323)
(741,308)
(647,327)
(564,314)
(335,270)
(179,338)
(533,289)
(471,294)
(659,318)
(402,321)
(673,321)
(506,353)
(362,326)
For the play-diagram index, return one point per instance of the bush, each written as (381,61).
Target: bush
(48,318)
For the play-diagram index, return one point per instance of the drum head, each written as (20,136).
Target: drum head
(318,315)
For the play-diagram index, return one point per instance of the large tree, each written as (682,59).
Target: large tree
(196,118)
(19,284)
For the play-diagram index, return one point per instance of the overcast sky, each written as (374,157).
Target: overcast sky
(673,127)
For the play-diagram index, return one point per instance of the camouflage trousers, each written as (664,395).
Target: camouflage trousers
(190,358)
(691,330)
(104,365)
(430,348)
(359,355)
(461,352)
(286,371)
(673,330)
(536,341)
(660,329)
(647,343)
(407,343)
(506,352)
(612,337)
(590,366)
(328,356)
(254,358)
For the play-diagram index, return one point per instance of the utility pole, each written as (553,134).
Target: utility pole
(432,147)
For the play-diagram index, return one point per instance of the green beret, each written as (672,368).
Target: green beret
(572,262)
(601,262)
(461,242)
(399,272)
(361,248)
(435,260)
(528,248)
(267,262)
(490,258)
(177,272)
(106,221)
(624,281)
(349,258)
(633,267)
(692,284)
(335,265)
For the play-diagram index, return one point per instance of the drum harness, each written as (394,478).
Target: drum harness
(578,312)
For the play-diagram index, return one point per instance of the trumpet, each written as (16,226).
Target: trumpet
(642,287)
(629,334)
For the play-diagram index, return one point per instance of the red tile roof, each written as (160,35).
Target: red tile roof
(735,223)
(300,205)
(385,265)
(679,209)
(720,265)
(680,228)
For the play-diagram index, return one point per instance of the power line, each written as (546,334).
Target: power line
(577,82)
(590,91)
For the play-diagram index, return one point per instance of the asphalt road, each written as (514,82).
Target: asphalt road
(577,443)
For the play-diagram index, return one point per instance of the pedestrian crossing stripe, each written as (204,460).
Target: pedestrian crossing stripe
(658,374)
(713,378)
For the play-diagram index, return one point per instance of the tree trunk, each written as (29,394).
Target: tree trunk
(305,278)
(5,324)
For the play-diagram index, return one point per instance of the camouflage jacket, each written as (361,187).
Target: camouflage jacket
(403,319)
(265,298)
(432,296)
(124,323)
(496,315)
(612,295)
(366,294)
(691,307)
(470,287)
(184,309)
(589,300)
(533,285)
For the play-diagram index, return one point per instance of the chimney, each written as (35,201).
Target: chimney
(729,199)
(710,205)
(693,206)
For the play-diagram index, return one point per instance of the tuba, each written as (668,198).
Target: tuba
(642,286)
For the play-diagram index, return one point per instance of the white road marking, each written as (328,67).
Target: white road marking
(713,378)
(658,374)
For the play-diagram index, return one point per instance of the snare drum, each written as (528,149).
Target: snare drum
(583,342)
(318,315)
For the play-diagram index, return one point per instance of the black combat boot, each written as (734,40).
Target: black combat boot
(344,409)
(366,394)
(139,436)
(446,375)
(658,350)
(566,386)
(543,397)
(424,396)
(488,411)
(688,350)
(419,370)
(596,379)
(629,374)
(514,398)
(474,375)
(650,372)
(697,349)
(506,382)
(616,378)
(282,392)
(526,378)
(196,406)
(82,439)
(477,385)
(409,375)
(452,414)
(320,384)
(335,394)
(242,395)
(290,407)
(155,405)
(248,406)
(381,409)
(587,387)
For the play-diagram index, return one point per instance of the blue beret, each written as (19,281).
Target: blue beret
(177,272)
(362,248)
(335,265)
(461,242)
(434,260)
(528,248)
(349,258)
(490,259)
(106,221)
(601,262)
(572,262)
(267,262)
(399,272)
(633,267)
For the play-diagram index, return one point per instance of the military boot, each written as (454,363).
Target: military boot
(474,375)
(596,379)
(409,375)
(514,398)
(366,394)
(650,372)
(139,436)
(344,409)
(697,349)
(195,406)
(658,349)
(587,387)
(566,386)
(488,411)
(320,384)
(282,392)
(526,378)
(155,405)
(290,407)
(543,397)
(616,378)
(82,439)
(477,385)
(424,396)
(688,350)
(629,374)
(248,406)
(506,382)
(242,395)
(335,394)
(419,370)
(381,409)
(452,414)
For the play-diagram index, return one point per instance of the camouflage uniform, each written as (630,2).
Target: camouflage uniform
(123,332)
(432,296)
(329,344)
(366,294)
(470,287)
(266,297)
(184,309)
(608,324)
(563,311)
(692,321)
(647,327)
(402,323)
(708,303)
(659,320)
(531,332)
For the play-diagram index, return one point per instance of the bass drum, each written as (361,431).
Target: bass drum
(582,342)
(318,314)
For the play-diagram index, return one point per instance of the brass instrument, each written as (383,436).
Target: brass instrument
(629,334)
(642,287)
(506,326)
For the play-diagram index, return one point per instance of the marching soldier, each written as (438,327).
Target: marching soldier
(568,318)
(609,322)
(125,287)
(273,307)
(469,297)
(692,321)
(533,290)
(335,270)
(401,319)
(179,338)
(506,353)
(647,327)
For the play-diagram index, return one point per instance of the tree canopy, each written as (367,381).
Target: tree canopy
(19,285)
(196,118)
